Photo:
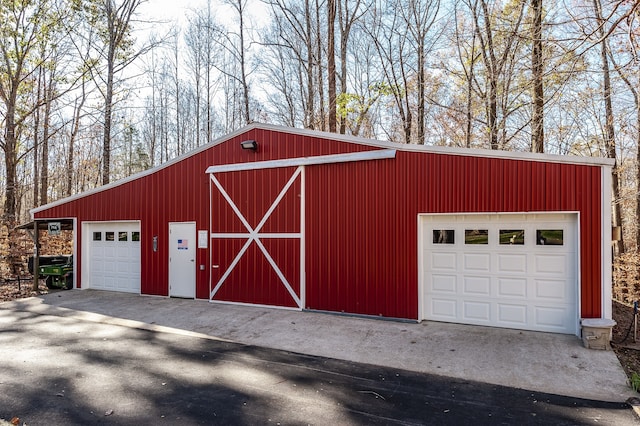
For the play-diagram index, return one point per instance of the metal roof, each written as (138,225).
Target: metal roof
(472,152)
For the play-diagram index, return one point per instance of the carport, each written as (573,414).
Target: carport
(50,225)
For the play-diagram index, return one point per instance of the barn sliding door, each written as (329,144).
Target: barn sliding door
(257,236)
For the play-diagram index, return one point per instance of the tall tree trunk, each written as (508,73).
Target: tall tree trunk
(10,161)
(347,17)
(108,115)
(75,129)
(537,119)
(309,111)
(637,169)
(318,64)
(117,29)
(492,70)
(44,171)
(179,141)
(331,64)
(421,92)
(243,70)
(198,103)
(610,137)
(208,76)
(36,143)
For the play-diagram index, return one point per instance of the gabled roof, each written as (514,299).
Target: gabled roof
(472,152)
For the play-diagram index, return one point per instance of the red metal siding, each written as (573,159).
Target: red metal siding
(179,192)
(360,224)
(362,221)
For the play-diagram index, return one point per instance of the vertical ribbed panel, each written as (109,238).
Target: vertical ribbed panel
(361,218)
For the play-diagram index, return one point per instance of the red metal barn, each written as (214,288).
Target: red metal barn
(308,220)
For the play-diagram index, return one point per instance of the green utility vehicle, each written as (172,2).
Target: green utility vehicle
(58,275)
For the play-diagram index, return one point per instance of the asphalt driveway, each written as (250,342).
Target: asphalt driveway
(542,362)
(66,366)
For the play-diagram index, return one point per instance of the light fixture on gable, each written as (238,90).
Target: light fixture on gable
(249,144)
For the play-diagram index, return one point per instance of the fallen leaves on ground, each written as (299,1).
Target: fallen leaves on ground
(10,290)
(626,290)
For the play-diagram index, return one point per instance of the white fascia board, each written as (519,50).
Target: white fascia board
(379,154)
(468,152)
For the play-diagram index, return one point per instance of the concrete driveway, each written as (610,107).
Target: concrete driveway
(542,362)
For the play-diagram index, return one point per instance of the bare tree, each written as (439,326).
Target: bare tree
(25,28)
(331,64)
(496,57)
(294,40)
(115,20)
(233,45)
(403,36)
(348,13)
(537,66)
(419,17)
(609,130)
(389,37)
(195,40)
(467,55)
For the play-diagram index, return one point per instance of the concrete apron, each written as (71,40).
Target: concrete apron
(542,362)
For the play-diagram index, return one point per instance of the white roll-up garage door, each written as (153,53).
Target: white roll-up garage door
(501,270)
(111,258)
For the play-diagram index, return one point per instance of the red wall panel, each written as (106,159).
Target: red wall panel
(361,217)
(371,244)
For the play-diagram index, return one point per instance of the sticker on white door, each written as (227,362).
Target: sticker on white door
(182,259)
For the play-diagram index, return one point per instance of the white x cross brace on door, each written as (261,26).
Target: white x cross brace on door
(254,235)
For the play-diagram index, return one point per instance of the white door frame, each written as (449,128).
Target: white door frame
(188,280)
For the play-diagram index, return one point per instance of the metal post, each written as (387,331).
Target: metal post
(36,256)
(635,320)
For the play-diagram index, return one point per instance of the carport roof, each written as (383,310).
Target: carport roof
(65,224)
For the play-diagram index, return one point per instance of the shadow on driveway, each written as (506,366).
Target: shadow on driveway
(65,370)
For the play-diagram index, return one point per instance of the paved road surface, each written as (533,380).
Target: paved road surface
(64,371)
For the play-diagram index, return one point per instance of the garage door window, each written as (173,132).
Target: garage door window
(123,236)
(109,236)
(549,237)
(97,236)
(514,237)
(135,236)
(443,236)
(476,236)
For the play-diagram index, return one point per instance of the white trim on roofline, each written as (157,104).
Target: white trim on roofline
(378,154)
(340,138)
(468,152)
(144,173)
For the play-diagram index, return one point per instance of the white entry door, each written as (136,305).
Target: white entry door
(502,270)
(182,259)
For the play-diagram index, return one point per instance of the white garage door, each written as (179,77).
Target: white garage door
(502,270)
(112,256)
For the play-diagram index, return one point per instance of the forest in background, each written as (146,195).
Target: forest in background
(92,91)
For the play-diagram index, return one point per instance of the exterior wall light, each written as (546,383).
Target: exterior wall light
(249,144)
